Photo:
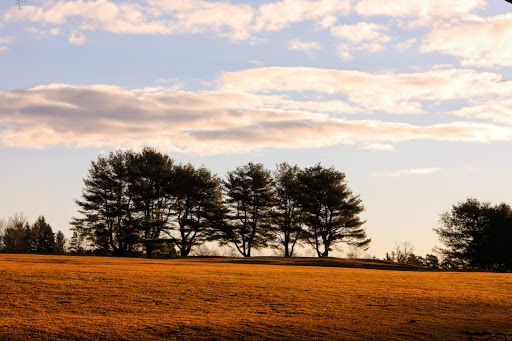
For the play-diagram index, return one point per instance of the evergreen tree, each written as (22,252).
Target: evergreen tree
(151,180)
(249,200)
(197,209)
(60,243)
(42,238)
(477,235)
(76,244)
(107,206)
(288,216)
(331,210)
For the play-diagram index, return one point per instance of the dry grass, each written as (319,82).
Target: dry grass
(93,298)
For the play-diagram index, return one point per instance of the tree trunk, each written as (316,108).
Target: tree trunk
(149,250)
(184,251)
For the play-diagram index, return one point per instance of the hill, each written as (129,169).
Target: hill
(98,298)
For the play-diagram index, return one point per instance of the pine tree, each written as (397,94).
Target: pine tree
(250,199)
(197,209)
(331,210)
(288,217)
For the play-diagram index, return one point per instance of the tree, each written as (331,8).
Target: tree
(198,207)
(288,215)
(107,206)
(432,261)
(60,243)
(76,243)
(250,199)
(42,238)
(15,238)
(331,211)
(151,180)
(477,235)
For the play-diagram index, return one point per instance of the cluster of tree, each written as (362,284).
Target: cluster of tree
(144,203)
(404,253)
(477,235)
(18,236)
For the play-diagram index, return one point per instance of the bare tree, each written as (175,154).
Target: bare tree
(402,253)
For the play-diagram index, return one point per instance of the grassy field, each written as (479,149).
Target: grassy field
(96,298)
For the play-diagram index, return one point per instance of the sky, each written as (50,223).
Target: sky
(411,99)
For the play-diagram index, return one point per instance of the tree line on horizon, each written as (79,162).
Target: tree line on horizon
(143,203)
(18,236)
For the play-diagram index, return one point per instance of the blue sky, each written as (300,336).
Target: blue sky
(410,98)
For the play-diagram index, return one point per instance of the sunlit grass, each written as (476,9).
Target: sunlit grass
(89,298)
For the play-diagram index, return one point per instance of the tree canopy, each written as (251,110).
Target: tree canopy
(331,210)
(477,235)
(142,202)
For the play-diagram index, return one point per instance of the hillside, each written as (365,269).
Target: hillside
(97,298)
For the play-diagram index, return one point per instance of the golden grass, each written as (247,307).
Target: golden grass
(96,298)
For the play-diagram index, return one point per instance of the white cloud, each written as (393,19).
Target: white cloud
(361,36)
(482,43)
(405,45)
(4,49)
(397,93)
(344,52)
(278,15)
(238,21)
(77,38)
(498,111)
(412,171)
(379,147)
(420,12)
(362,31)
(298,45)
(204,122)
(257,63)
(7,40)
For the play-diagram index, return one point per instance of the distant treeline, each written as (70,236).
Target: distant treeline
(18,236)
(143,203)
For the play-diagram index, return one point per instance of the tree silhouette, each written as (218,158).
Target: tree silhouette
(477,235)
(107,206)
(288,216)
(197,209)
(15,237)
(150,176)
(249,200)
(331,210)
(42,238)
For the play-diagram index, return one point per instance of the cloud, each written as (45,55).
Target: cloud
(77,38)
(481,43)
(164,17)
(7,40)
(397,93)
(278,15)
(362,31)
(379,147)
(497,111)
(361,36)
(43,32)
(298,45)
(405,45)
(420,12)
(412,171)
(202,122)
(235,20)
(344,51)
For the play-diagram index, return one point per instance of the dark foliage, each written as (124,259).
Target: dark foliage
(477,235)
(249,201)
(331,211)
